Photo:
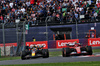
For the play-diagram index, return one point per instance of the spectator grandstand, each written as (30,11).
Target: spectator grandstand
(59,11)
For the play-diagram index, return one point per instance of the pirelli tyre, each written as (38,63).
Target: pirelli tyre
(64,55)
(23,54)
(45,53)
(89,50)
(66,52)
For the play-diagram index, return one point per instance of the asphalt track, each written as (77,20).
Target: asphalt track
(95,57)
(57,59)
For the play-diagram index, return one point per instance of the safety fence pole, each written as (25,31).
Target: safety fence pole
(3,30)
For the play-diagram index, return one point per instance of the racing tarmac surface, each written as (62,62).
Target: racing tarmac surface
(94,57)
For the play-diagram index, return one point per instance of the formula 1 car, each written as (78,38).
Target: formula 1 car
(34,52)
(76,49)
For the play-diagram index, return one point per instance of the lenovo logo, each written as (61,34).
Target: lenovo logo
(63,43)
(42,44)
(38,44)
(94,42)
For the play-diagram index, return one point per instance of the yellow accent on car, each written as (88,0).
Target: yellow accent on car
(33,53)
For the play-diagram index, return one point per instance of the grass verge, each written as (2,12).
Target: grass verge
(96,50)
(9,58)
(92,63)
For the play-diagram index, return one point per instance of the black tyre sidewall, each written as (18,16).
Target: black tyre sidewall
(89,50)
(66,52)
(23,55)
(45,53)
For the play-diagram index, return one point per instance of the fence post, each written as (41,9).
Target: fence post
(46,20)
(3,30)
(0,52)
(76,29)
(24,36)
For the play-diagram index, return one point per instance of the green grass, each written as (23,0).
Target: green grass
(52,54)
(8,58)
(55,53)
(92,63)
(96,50)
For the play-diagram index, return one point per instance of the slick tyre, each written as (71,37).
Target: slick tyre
(66,52)
(63,54)
(45,53)
(89,50)
(23,55)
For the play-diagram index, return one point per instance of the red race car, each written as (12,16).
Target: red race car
(76,49)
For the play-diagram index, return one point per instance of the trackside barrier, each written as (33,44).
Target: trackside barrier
(11,47)
(13,50)
(7,51)
(94,42)
(60,43)
(8,44)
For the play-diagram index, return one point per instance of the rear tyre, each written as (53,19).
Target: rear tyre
(63,52)
(66,52)
(89,50)
(45,53)
(23,55)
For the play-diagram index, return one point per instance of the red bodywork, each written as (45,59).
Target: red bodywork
(76,49)
(76,46)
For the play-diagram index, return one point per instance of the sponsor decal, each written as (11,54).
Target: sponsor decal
(62,43)
(44,43)
(94,42)
(8,44)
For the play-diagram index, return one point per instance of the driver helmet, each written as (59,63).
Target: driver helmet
(34,45)
(75,41)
